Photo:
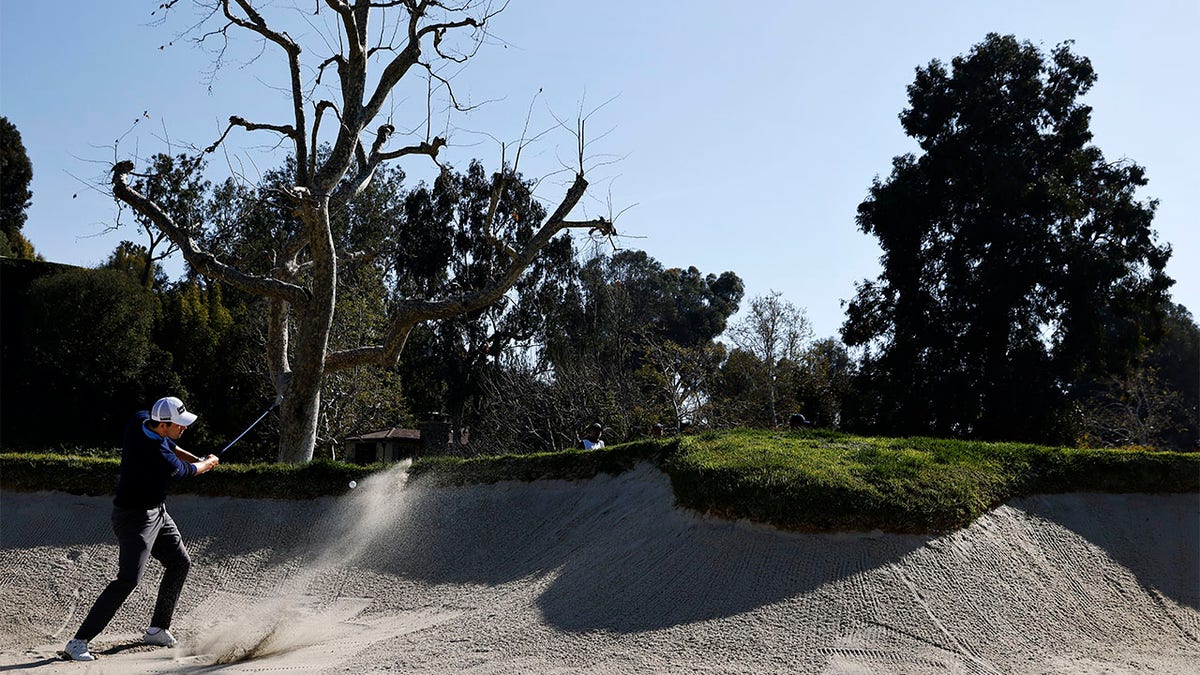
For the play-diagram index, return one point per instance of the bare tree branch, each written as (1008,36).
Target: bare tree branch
(285,129)
(257,24)
(415,311)
(422,148)
(352,358)
(200,260)
(368,163)
(348,262)
(399,66)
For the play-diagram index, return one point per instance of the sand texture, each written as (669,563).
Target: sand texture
(608,576)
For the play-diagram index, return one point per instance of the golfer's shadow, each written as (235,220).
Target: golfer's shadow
(32,664)
(116,649)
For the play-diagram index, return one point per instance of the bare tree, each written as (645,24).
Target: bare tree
(773,331)
(301,289)
(1133,410)
(680,377)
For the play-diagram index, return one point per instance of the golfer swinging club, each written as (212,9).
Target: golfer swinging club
(150,460)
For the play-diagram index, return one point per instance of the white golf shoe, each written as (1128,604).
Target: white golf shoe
(159,636)
(77,650)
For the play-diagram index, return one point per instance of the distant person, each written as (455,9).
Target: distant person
(150,461)
(798,421)
(656,430)
(591,438)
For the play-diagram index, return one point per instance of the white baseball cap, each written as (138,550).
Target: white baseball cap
(170,409)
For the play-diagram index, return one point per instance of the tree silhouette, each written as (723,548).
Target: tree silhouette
(1016,258)
(16,172)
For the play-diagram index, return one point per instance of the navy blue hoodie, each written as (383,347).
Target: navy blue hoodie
(148,466)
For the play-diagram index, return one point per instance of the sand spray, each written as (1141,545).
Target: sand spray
(289,618)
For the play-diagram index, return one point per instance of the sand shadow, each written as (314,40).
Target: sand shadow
(126,646)
(709,571)
(621,557)
(1155,537)
(214,528)
(61,658)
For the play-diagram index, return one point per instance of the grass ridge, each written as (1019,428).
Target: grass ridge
(806,480)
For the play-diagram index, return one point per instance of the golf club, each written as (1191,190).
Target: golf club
(252,425)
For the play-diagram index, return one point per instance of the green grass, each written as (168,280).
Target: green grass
(808,481)
(831,481)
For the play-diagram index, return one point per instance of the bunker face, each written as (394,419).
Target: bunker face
(608,576)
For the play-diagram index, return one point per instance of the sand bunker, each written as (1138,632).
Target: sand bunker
(607,576)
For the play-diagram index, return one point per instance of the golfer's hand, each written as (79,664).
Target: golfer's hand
(206,464)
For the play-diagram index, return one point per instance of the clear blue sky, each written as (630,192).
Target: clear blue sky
(740,139)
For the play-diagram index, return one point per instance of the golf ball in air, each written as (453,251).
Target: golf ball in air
(353,484)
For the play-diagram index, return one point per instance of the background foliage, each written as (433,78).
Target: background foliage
(1022,297)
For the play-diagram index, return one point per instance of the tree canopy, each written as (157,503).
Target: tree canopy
(16,172)
(91,351)
(1016,258)
(458,245)
(623,340)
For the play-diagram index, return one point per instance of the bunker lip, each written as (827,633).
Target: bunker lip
(608,576)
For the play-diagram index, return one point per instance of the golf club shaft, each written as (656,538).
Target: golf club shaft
(252,425)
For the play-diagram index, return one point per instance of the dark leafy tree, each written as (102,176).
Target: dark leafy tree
(135,259)
(1156,404)
(16,172)
(736,392)
(214,353)
(625,341)
(200,333)
(1177,358)
(21,383)
(456,235)
(630,296)
(178,186)
(612,330)
(90,336)
(246,223)
(823,382)
(1016,258)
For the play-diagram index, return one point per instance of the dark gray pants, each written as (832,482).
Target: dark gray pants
(141,534)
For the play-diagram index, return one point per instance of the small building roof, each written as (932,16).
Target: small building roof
(395,433)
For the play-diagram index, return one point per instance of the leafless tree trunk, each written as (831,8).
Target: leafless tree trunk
(302,288)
